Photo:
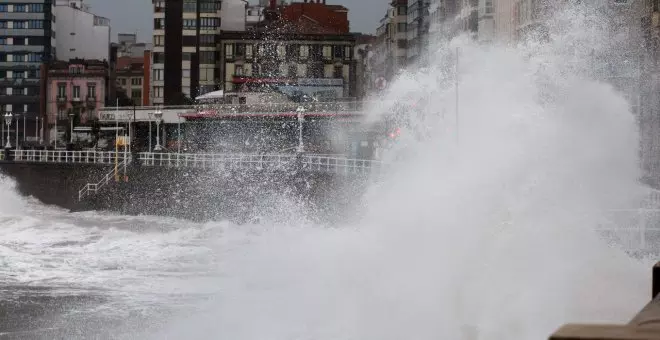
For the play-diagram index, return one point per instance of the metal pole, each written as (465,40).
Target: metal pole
(179,133)
(57,116)
(117,141)
(456,127)
(24,134)
(150,133)
(17,123)
(36,129)
(71,121)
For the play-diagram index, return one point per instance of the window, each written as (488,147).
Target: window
(34,57)
(19,24)
(91,90)
(136,81)
(3,41)
(19,8)
(239,70)
(229,51)
(248,51)
(159,40)
(190,6)
(19,57)
(158,91)
(159,23)
(402,27)
(35,24)
(32,74)
(209,6)
(207,40)
(61,90)
(36,8)
(338,52)
(338,72)
(209,23)
(158,74)
(207,57)
(488,8)
(159,58)
(206,74)
(19,75)
(20,41)
(3,24)
(136,94)
(185,73)
(304,51)
(4,8)
(327,52)
(189,23)
(76,92)
(402,10)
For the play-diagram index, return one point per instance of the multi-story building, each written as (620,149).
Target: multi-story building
(128,46)
(82,34)
(185,49)
(392,41)
(293,64)
(132,79)
(27,39)
(418,26)
(76,88)
(363,54)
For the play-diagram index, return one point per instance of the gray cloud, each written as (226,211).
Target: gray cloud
(135,15)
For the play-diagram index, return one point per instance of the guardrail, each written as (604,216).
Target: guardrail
(95,187)
(331,164)
(58,156)
(645,325)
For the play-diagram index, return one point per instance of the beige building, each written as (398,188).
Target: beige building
(319,65)
(390,49)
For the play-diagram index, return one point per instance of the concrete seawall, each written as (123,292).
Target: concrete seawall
(196,194)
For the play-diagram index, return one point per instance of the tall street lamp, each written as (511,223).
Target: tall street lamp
(159,115)
(8,118)
(18,146)
(151,114)
(71,121)
(301,118)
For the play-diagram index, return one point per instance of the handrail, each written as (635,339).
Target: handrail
(61,156)
(95,187)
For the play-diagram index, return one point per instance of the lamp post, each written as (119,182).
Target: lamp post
(36,129)
(16,139)
(301,118)
(8,118)
(159,115)
(71,122)
(178,138)
(151,114)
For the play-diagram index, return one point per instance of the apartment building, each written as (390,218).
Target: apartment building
(418,26)
(390,50)
(185,41)
(132,79)
(294,64)
(82,34)
(27,39)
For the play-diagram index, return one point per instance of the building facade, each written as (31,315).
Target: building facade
(390,50)
(76,89)
(294,64)
(83,34)
(128,46)
(27,39)
(185,41)
(132,79)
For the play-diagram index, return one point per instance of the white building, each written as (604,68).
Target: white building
(80,33)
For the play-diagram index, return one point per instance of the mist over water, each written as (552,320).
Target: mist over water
(481,228)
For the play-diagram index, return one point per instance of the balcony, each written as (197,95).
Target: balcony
(91,101)
(76,100)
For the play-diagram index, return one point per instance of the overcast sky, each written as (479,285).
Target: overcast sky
(128,16)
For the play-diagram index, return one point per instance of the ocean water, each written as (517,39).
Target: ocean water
(484,226)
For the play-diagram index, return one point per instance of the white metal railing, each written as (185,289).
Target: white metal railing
(331,164)
(61,156)
(90,188)
(206,160)
(338,165)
